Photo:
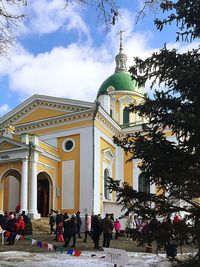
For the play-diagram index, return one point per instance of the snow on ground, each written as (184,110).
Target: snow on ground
(26,259)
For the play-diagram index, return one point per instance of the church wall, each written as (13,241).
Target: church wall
(69,175)
(83,193)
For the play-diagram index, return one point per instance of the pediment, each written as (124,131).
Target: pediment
(126,99)
(40,107)
(108,155)
(39,113)
(10,144)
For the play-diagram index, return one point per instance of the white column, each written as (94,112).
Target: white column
(152,188)
(2,198)
(136,173)
(105,102)
(119,164)
(24,185)
(33,189)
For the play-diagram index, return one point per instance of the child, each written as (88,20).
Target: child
(117,228)
(60,233)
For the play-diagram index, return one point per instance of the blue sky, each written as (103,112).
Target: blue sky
(67,53)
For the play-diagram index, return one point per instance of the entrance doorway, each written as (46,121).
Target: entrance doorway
(43,194)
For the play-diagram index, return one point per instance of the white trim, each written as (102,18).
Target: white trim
(50,167)
(48,145)
(134,93)
(9,168)
(48,154)
(136,173)
(119,164)
(46,165)
(107,154)
(109,168)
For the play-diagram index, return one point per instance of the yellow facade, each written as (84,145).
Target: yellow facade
(74,155)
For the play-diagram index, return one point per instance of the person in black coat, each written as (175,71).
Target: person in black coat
(59,219)
(79,223)
(71,231)
(66,233)
(10,228)
(96,230)
(52,221)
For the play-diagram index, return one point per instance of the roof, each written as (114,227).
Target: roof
(120,81)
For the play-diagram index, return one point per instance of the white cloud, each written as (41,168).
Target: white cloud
(44,17)
(75,71)
(4,109)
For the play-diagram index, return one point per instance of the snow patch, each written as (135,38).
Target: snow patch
(27,259)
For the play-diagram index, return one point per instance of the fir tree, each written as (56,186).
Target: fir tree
(173,166)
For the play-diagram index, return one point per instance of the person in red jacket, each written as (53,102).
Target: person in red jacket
(19,226)
(117,228)
(176,219)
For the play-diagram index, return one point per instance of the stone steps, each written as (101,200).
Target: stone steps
(40,227)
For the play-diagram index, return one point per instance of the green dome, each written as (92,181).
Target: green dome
(120,81)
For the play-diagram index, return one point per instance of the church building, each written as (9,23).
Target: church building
(57,152)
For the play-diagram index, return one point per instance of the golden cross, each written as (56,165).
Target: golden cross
(121,39)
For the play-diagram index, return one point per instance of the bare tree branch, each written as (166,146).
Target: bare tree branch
(107,10)
(10,18)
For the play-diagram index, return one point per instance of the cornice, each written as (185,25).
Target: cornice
(104,118)
(16,149)
(55,121)
(47,154)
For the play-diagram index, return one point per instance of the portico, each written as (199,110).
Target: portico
(19,168)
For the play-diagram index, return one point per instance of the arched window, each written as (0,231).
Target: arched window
(106,190)
(144,183)
(125,116)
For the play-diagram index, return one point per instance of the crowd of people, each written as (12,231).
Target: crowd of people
(67,228)
(14,223)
